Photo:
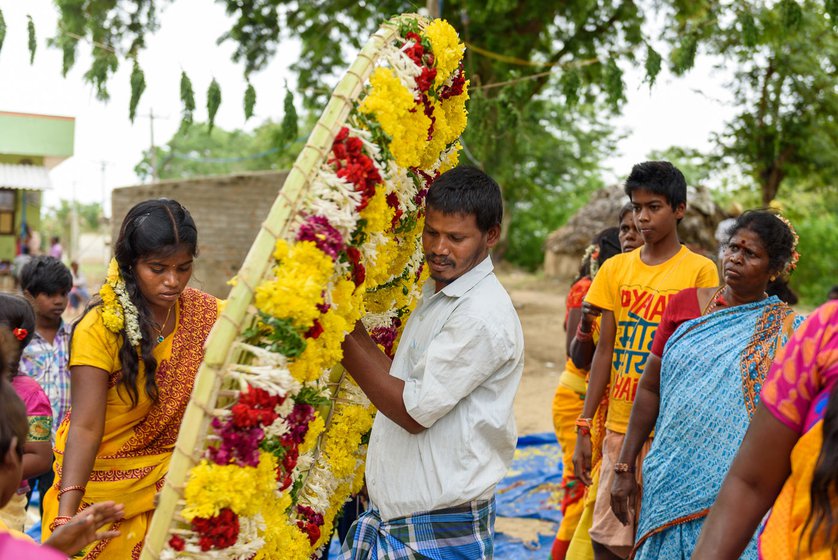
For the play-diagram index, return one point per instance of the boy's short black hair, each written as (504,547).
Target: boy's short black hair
(467,190)
(659,177)
(46,275)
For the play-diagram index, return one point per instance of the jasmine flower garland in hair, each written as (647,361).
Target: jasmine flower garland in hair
(118,311)
(795,256)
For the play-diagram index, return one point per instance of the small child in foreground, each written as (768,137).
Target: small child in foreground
(14,427)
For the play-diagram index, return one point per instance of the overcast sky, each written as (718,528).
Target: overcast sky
(673,113)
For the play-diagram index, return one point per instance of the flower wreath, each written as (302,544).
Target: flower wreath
(288,445)
(118,311)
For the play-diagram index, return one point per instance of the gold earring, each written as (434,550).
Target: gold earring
(773,278)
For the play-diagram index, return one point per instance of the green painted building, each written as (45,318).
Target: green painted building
(30,145)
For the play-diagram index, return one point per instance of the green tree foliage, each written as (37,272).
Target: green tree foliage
(786,86)
(187,97)
(2,29)
(544,75)
(33,44)
(249,101)
(213,102)
(193,152)
(137,89)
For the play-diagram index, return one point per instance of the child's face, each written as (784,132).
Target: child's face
(49,307)
(11,472)
(654,216)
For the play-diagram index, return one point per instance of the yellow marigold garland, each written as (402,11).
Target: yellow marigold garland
(318,288)
(212,487)
(447,48)
(394,108)
(297,287)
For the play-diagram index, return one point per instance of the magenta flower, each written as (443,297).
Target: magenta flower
(318,230)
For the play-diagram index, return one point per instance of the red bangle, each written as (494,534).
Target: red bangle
(583,336)
(59,521)
(583,426)
(76,488)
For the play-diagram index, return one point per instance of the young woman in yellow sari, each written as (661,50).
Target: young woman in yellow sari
(133,360)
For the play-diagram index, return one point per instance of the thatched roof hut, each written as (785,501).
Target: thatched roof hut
(565,246)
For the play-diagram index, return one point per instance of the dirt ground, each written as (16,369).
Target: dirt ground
(540,305)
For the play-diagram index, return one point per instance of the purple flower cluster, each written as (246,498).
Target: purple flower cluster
(298,422)
(318,230)
(386,336)
(238,445)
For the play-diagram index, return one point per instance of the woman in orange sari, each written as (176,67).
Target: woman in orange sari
(133,360)
(570,392)
(789,458)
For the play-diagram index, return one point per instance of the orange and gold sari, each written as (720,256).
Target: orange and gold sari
(138,440)
(797,393)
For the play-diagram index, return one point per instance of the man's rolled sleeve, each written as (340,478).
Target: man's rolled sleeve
(462,356)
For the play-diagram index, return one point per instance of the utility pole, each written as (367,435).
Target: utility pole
(74,226)
(155,171)
(433,8)
(104,227)
(102,168)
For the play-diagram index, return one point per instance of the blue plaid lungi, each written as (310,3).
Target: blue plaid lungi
(463,532)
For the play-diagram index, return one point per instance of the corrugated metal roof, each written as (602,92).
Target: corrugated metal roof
(32,177)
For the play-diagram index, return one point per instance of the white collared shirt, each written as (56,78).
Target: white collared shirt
(461,357)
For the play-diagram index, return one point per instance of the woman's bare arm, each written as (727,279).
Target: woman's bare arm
(37,458)
(89,391)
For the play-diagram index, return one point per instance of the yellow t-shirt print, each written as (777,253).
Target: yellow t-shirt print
(637,295)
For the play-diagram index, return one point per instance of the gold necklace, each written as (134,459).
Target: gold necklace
(715,301)
(160,336)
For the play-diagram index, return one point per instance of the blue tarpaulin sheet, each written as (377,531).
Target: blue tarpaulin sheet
(530,490)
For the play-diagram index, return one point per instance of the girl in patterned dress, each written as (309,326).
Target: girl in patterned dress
(16,313)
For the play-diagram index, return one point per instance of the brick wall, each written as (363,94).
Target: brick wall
(228,211)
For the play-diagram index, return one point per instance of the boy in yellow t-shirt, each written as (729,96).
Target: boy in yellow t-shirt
(632,290)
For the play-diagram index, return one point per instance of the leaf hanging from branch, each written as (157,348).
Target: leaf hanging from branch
(33,44)
(213,102)
(137,89)
(750,33)
(2,29)
(683,56)
(613,81)
(792,14)
(187,97)
(288,129)
(570,83)
(249,101)
(653,65)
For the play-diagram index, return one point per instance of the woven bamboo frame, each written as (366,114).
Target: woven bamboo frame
(238,312)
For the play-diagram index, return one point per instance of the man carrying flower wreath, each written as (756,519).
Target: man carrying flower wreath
(445,433)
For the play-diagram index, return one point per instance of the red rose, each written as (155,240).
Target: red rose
(359,273)
(177,543)
(315,331)
(219,531)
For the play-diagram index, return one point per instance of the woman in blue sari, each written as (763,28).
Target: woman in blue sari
(701,386)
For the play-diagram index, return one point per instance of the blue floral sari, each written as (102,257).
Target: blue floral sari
(711,376)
